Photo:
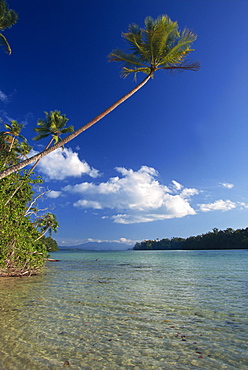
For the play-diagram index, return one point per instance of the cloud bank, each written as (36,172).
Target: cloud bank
(137,195)
(129,198)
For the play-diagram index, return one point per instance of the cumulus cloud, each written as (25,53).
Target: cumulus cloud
(54,194)
(61,164)
(218,205)
(226,185)
(138,196)
(83,203)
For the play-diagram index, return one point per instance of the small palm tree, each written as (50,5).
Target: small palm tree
(54,125)
(12,133)
(8,17)
(47,223)
(10,144)
(23,149)
(158,46)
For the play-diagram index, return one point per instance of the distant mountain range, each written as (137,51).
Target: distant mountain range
(103,246)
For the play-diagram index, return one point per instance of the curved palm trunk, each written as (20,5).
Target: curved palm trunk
(10,148)
(35,164)
(37,157)
(44,232)
(5,43)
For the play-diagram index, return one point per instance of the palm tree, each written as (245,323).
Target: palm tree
(159,45)
(47,223)
(8,17)
(54,125)
(12,133)
(10,146)
(23,149)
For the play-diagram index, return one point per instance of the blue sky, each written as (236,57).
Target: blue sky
(172,160)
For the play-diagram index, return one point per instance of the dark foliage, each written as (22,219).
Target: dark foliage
(217,239)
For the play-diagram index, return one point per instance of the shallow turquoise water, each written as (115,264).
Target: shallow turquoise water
(128,310)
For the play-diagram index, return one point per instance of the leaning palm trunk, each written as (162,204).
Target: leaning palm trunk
(44,232)
(42,154)
(159,45)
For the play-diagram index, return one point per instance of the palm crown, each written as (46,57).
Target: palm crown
(54,125)
(159,45)
(8,17)
(13,133)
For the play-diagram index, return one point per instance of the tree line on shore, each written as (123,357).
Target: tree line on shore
(217,239)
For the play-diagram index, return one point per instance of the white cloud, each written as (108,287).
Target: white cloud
(226,185)
(218,205)
(61,164)
(54,194)
(188,193)
(3,96)
(243,205)
(177,186)
(139,194)
(83,203)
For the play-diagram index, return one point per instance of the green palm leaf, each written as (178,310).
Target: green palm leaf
(41,136)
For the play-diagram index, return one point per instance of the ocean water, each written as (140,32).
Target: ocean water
(128,310)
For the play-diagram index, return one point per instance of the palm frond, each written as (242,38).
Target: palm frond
(128,61)
(14,129)
(185,66)
(157,34)
(8,17)
(119,55)
(127,71)
(68,129)
(135,40)
(41,136)
(180,49)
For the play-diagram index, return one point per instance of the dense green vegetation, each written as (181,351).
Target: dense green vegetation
(23,245)
(51,244)
(217,239)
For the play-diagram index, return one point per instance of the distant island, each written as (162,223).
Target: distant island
(217,239)
(97,246)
